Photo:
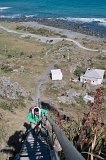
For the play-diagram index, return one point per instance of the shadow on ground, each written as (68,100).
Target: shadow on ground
(56,112)
(46,106)
(15,142)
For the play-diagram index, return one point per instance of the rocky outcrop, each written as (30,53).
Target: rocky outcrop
(69,96)
(11,90)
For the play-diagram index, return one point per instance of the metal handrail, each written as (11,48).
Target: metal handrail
(69,150)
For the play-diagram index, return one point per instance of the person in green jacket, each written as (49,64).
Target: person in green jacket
(35,117)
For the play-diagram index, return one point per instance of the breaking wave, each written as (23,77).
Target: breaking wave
(17,16)
(4,8)
(31,16)
(12,16)
(100,21)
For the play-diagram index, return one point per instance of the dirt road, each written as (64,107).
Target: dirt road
(44,39)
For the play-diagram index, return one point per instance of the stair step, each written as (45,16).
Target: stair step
(35,148)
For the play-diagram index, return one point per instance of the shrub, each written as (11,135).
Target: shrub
(20,28)
(79,71)
(80,101)
(10,105)
(30,56)
(21,101)
(6,68)
(9,56)
(21,53)
(6,106)
(63,36)
(56,66)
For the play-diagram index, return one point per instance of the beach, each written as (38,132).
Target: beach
(88,29)
(92,29)
(58,28)
(85,17)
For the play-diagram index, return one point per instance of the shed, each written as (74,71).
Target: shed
(56,74)
(88,98)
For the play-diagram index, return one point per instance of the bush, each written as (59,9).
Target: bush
(63,36)
(30,56)
(56,66)
(6,68)
(9,56)
(21,101)
(20,28)
(79,71)
(21,53)
(6,106)
(10,105)
(80,101)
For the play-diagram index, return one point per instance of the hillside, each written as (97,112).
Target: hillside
(24,59)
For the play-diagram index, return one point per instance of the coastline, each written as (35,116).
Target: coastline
(74,37)
(79,28)
(58,30)
(91,29)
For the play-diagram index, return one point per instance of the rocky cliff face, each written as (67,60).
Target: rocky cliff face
(11,90)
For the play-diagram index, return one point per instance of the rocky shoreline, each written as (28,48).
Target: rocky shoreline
(92,29)
(84,28)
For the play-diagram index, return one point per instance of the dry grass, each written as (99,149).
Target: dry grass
(99,44)
(10,25)
(20,51)
(21,28)
(19,44)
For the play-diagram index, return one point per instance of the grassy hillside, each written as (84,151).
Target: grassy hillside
(24,60)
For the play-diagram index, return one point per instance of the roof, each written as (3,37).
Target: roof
(94,73)
(89,98)
(56,71)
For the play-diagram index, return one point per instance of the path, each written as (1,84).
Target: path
(42,79)
(45,39)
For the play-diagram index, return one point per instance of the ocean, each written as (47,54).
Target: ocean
(85,11)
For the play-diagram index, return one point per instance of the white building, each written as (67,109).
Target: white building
(56,74)
(93,76)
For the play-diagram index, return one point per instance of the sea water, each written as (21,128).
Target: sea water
(86,11)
